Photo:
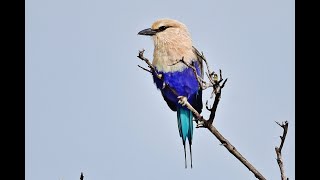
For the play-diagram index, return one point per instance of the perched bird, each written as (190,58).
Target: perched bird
(172,42)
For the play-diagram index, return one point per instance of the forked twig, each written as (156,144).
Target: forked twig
(278,150)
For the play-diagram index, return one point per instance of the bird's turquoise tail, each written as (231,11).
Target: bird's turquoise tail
(185,125)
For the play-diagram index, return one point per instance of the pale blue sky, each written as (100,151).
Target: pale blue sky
(90,109)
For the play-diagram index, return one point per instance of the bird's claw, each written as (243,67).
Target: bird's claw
(182,100)
(200,124)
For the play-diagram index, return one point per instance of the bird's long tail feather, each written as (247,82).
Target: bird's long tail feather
(185,155)
(190,154)
(185,125)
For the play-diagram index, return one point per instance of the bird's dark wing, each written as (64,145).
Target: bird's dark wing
(198,105)
(171,104)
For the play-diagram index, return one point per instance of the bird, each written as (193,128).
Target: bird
(172,43)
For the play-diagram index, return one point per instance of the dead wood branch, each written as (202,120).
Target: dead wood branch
(215,83)
(278,150)
(81,176)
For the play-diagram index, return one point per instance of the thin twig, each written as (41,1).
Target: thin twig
(278,150)
(145,69)
(216,102)
(153,69)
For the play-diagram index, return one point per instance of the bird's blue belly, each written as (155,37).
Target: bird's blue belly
(184,82)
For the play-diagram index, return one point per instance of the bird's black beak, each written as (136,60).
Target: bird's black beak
(147,32)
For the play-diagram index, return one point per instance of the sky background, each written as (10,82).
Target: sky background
(90,109)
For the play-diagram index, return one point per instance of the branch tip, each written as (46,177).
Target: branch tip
(278,150)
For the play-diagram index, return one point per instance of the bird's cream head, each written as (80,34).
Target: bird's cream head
(172,41)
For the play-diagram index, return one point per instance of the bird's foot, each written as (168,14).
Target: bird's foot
(182,100)
(200,124)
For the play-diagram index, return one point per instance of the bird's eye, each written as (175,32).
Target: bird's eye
(162,28)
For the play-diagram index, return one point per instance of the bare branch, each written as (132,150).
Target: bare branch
(278,150)
(285,126)
(209,76)
(147,61)
(216,102)
(209,109)
(201,122)
(234,151)
(145,69)
(224,83)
